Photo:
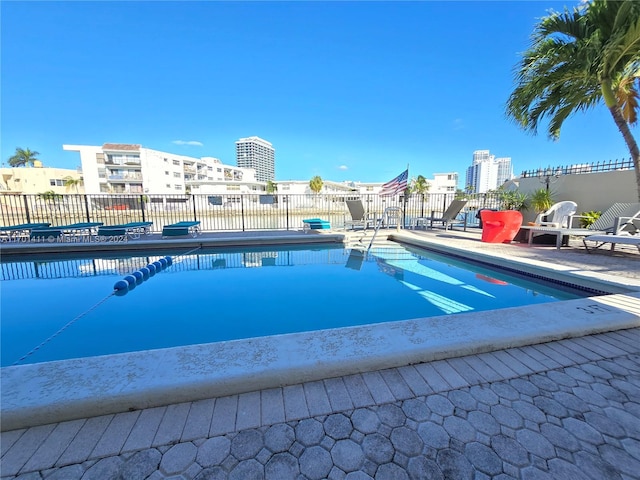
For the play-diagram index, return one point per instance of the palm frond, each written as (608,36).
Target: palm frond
(627,98)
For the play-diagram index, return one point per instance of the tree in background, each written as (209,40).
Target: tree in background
(316,184)
(272,187)
(23,157)
(419,185)
(70,182)
(51,199)
(578,59)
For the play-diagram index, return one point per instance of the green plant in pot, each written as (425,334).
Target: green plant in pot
(513,200)
(587,218)
(540,200)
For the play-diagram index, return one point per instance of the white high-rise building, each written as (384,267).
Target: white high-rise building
(487,172)
(256,153)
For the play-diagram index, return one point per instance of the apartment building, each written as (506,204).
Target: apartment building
(258,154)
(133,169)
(487,172)
(40,179)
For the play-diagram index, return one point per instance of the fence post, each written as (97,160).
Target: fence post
(242,209)
(286,197)
(86,207)
(26,208)
(193,200)
(144,213)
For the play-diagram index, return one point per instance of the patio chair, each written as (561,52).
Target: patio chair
(559,215)
(613,239)
(619,218)
(448,218)
(181,229)
(133,230)
(112,233)
(19,232)
(359,217)
(392,217)
(46,235)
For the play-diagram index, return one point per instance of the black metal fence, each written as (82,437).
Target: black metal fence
(238,212)
(596,167)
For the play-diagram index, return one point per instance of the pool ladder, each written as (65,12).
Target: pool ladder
(389,213)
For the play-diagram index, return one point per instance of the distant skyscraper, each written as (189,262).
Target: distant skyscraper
(256,153)
(487,172)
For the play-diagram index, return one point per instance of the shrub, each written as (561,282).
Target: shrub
(587,218)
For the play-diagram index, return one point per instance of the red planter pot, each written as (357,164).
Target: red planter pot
(501,226)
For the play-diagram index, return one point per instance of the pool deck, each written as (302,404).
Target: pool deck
(502,397)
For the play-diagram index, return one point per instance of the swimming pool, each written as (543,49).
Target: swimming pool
(218,295)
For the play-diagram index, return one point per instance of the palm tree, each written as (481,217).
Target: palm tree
(578,59)
(420,185)
(70,182)
(50,198)
(315,184)
(23,157)
(272,187)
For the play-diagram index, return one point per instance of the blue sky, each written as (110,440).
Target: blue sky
(344,90)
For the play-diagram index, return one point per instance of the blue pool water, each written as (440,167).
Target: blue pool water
(212,296)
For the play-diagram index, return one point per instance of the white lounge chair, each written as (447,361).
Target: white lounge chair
(619,218)
(559,215)
(600,240)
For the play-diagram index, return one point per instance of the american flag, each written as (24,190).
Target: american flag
(397,185)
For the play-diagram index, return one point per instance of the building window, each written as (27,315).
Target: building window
(168,185)
(166,160)
(166,172)
(176,162)
(178,187)
(56,182)
(176,174)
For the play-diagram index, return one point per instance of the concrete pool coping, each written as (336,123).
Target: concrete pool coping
(56,391)
(156,242)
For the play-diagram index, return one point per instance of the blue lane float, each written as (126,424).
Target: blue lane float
(145,273)
(129,282)
(139,277)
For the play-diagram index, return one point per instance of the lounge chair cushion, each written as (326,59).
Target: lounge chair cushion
(170,231)
(316,224)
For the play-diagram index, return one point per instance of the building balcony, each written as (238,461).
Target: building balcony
(123,163)
(124,178)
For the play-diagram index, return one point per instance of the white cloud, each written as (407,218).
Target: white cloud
(188,142)
(458,124)
(343,167)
